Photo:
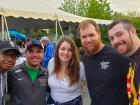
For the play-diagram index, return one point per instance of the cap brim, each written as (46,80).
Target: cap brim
(5,49)
(35,45)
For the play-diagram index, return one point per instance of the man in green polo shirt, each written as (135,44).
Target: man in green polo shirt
(28,81)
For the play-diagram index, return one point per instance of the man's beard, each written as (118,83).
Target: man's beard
(92,49)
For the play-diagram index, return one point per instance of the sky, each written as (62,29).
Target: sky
(125,5)
(117,5)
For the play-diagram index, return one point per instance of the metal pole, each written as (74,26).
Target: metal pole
(8,35)
(60,28)
(56,33)
(69,30)
(2,28)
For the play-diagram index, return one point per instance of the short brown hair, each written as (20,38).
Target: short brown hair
(126,23)
(85,23)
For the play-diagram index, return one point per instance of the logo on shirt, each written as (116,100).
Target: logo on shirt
(20,79)
(12,44)
(104,65)
(17,71)
(42,82)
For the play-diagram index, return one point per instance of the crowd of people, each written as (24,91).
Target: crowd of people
(53,74)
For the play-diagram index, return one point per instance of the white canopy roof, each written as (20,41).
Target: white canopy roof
(39,9)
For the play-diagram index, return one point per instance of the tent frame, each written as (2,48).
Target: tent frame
(4,36)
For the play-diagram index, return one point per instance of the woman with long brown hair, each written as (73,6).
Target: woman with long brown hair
(65,74)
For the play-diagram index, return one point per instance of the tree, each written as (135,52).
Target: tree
(88,8)
(69,6)
(99,9)
(82,8)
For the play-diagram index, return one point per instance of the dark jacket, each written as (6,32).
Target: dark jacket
(23,91)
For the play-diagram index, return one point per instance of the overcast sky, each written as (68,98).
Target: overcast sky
(119,5)
(124,5)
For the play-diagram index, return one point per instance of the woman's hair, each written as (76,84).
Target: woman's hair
(73,68)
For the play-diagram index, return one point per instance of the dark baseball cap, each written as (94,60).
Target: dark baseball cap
(9,45)
(34,42)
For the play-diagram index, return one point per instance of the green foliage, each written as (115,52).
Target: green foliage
(136,22)
(88,8)
(99,9)
(77,41)
(36,34)
(69,6)
(104,36)
(75,7)
(82,8)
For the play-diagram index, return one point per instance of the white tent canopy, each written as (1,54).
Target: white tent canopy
(36,14)
(39,9)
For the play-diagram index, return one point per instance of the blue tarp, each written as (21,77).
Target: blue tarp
(17,35)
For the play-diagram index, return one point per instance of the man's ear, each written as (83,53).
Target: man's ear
(133,31)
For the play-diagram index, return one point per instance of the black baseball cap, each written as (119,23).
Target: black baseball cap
(9,45)
(33,42)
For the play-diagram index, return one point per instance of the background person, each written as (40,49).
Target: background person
(65,74)
(124,38)
(49,50)
(28,81)
(9,52)
(106,70)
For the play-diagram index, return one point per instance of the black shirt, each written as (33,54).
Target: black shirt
(134,78)
(106,74)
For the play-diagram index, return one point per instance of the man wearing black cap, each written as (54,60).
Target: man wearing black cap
(9,51)
(28,81)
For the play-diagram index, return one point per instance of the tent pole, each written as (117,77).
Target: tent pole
(56,33)
(69,30)
(2,28)
(60,28)
(8,35)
